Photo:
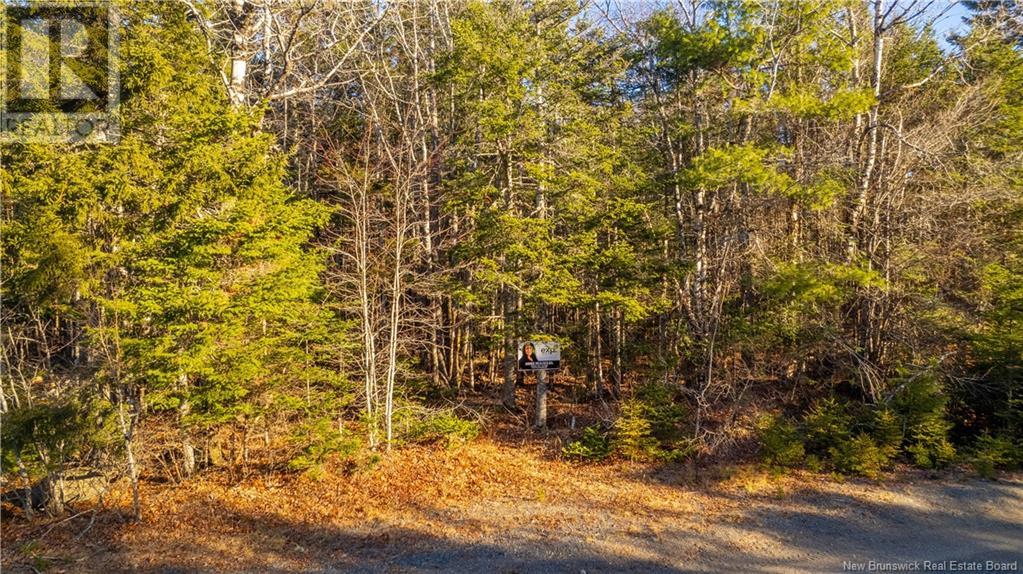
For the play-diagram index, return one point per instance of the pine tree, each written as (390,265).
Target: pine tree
(995,61)
(173,271)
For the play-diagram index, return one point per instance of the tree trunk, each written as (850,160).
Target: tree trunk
(52,497)
(362,263)
(240,17)
(541,399)
(510,349)
(127,424)
(859,203)
(599,352)
(26,502)
(469,363)
(187,459)
(616,352)
(401,204)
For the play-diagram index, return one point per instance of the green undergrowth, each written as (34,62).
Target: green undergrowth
(866,440)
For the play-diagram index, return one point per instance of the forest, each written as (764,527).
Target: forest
(764,231)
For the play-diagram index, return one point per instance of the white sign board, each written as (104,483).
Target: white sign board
(539,355)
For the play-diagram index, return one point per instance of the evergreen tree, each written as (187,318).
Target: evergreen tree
(995,61)
(171,271)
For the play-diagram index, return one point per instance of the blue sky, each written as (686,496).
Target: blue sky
(951,21)
(948,14)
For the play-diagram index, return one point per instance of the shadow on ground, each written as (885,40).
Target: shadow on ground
(808,530)
(271,545)
(496,509)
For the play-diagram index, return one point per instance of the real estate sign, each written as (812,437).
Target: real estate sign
(539,355)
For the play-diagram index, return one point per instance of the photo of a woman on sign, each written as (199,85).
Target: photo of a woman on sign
(528,357)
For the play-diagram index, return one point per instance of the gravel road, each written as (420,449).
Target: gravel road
(497,509)
(936,526)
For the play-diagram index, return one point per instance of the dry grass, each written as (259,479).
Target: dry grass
(472,505)
(431,500)
(411,496)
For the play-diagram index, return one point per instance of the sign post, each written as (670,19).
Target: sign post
(540,357)
(541,399)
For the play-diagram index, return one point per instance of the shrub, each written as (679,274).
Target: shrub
(320,439)
(633,436)
(886,429)
(991,453)
(814,463)
(827,425)
(860,455)
(930,447)
(781,441)
(442,424)
(677,451)
(917,400)
(594,445)
(664,409)
(920,402)
(50,436)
